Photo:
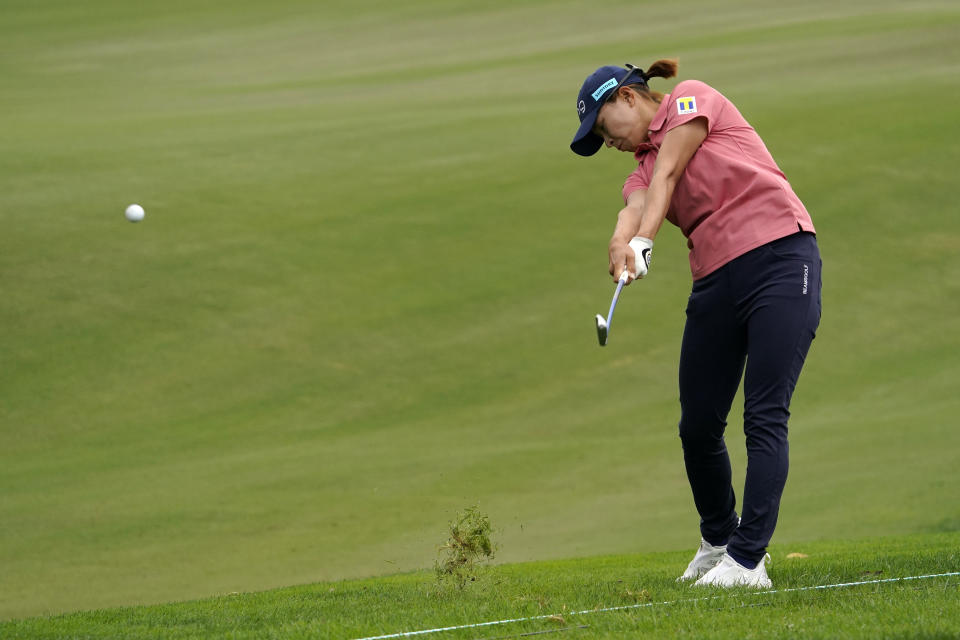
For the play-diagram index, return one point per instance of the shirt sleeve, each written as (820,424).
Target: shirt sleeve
(636,180)
(693,99)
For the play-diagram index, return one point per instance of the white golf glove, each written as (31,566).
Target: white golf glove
(643,250)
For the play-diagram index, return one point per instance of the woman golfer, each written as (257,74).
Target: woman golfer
(755,302)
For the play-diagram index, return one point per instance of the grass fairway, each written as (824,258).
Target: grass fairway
(570,595)
(363,293)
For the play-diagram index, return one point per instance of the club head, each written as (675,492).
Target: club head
(602,330)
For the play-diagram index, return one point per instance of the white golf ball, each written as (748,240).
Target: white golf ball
(134,213)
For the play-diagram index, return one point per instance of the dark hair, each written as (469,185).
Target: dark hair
(659,69)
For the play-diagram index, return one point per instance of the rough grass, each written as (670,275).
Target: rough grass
(567,596)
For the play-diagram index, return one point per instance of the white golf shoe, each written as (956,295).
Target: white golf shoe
(706,558)
(730,573)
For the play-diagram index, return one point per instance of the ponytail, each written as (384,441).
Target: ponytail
(661,69)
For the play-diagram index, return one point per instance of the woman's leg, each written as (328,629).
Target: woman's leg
(783,314)
(711,365)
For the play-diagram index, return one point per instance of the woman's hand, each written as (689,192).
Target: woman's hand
(622,257)
(632,257)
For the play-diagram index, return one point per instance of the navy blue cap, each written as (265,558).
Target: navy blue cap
(597,89)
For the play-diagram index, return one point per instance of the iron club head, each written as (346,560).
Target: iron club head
(602,330)
(603,324)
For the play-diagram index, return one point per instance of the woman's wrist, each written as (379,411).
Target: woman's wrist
(628,221)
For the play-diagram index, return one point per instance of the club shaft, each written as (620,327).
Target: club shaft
(613,303)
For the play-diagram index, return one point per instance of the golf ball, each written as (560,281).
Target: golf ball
(134,213)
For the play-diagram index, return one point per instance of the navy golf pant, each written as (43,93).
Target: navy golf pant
(761,310)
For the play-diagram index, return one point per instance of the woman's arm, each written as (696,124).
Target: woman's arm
(628,221)
(644,216)
(678,147)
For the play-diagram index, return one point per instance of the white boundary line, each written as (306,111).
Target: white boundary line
(407,634)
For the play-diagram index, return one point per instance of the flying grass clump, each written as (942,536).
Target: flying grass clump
(466,550)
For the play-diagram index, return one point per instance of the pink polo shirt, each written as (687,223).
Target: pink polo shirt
(732,196)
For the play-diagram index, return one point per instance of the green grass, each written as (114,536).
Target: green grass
(362,296)
(565,595)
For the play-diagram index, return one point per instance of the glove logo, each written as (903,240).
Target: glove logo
(647,254)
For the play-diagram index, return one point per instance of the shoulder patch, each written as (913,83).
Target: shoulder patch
(686,105)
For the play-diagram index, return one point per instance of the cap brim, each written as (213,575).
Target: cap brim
(586,142)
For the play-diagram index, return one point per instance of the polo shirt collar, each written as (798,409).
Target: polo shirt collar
(661,116)
(655,125)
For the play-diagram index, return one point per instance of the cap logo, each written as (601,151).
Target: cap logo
(581,108)
(612,82)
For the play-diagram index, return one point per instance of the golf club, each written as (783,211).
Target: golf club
(603,324)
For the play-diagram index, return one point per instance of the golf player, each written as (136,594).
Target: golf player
(755,302)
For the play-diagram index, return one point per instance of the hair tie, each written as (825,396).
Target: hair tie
(643,76)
